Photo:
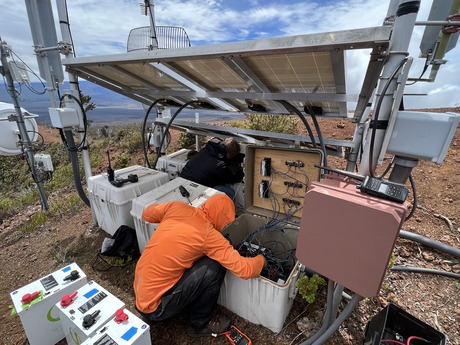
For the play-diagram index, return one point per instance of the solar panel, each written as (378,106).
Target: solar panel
(240,76)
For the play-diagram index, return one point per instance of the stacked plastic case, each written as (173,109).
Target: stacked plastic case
(112,205)
(173,163)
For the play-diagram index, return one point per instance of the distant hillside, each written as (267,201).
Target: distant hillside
(110,106)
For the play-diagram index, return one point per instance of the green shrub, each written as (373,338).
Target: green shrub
(37,220)
(123,160)
(272,123)
(187,140)
(309,286)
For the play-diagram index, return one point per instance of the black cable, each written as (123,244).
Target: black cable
(75,167)
(320,135)
(429,242)
(144,125)
(302,118)
(167,129)
(414,203)
(421,75)
(341,172)
(425,270)
(376,116)
(67,22)
(32,71)
(80,146)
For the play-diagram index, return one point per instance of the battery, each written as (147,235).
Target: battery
(35,304)
(90,302)
(124,328)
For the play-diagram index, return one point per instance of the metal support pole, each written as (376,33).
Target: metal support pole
(402,169)
(26,144)
(340,319)
(153,30)
(73,81)
(405,16)
(197,137)
(443,43)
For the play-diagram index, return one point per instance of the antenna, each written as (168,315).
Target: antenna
(110,172)
(19,118)
(9,131)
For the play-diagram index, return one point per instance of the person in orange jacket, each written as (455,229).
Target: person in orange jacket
(185,261)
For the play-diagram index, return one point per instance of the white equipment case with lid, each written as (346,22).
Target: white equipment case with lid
(166,193)
(112,205)
(261,300)
(173,163)
(40,317)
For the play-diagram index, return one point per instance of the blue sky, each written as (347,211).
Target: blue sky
(102,27)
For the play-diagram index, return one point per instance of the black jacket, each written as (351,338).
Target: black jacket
(209,167)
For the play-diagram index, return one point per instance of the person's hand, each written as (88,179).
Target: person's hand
(265,260)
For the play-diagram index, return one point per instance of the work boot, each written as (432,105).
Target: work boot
(213,328)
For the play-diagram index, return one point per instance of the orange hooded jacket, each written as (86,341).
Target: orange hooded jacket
(184,235)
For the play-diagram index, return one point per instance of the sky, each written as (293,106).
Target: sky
(102,27)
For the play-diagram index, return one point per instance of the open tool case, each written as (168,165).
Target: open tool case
(395,324)
(276,180)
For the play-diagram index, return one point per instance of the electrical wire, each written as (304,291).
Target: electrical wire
(430,242)
(167,128)
(271,240)
(425,270)
(383,341)
(144,125)
(376,116)
(28,69)
(80,146)
(68,25)
(421,75)
(415,199)
(320,135)
(288,106)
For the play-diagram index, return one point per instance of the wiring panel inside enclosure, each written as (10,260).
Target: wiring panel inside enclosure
(277,179)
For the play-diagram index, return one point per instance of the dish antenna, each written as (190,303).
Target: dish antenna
(9,131)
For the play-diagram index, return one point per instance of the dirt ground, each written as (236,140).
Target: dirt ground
(432,298)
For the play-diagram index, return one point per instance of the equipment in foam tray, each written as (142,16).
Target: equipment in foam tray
(178,189)
(85,311)
(111,201)
(35,304)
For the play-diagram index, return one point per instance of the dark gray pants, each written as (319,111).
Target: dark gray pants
(198,290)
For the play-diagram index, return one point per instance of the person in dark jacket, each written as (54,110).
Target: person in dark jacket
(216,165)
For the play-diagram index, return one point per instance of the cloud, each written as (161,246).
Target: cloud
(102,28)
